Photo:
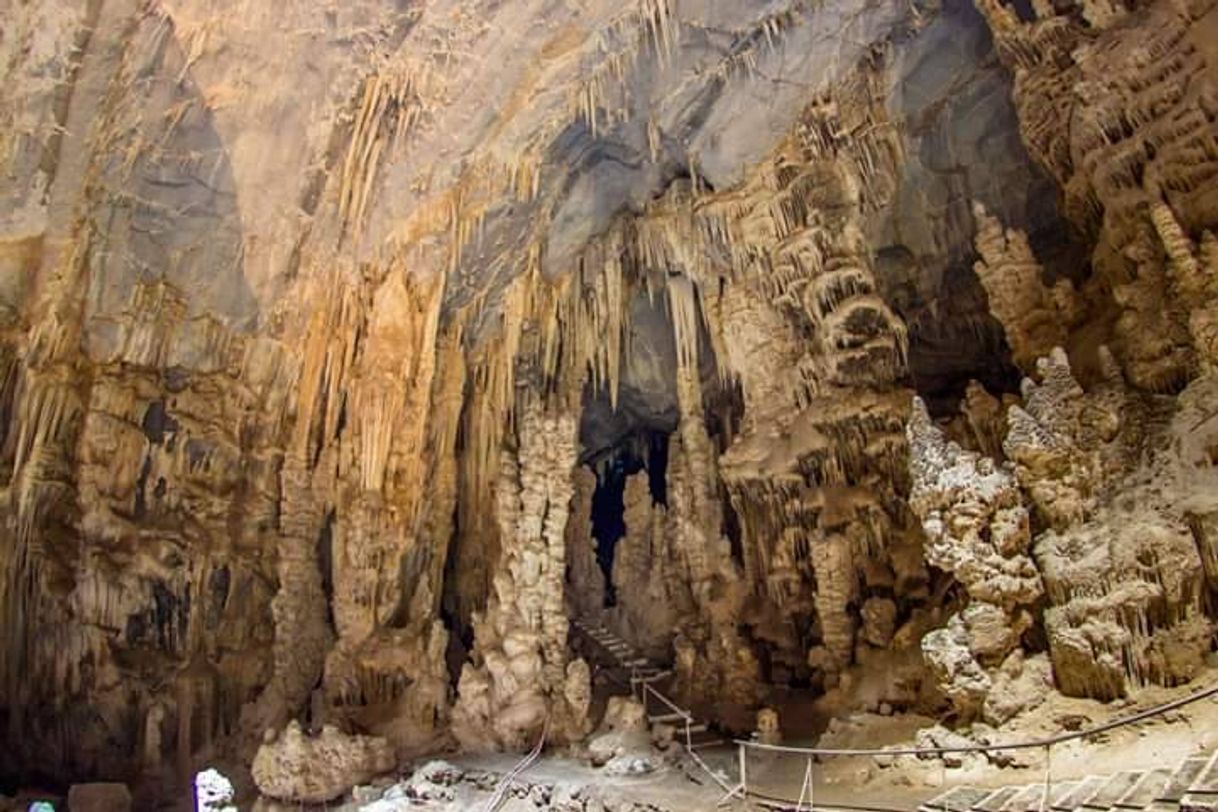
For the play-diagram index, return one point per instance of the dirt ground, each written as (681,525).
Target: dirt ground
(861,781)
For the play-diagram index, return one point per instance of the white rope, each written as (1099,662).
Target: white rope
(805,788)
(506,782)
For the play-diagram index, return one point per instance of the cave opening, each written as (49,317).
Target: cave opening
(645,451)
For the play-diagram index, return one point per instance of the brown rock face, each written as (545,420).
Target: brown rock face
(99,798)
(313,770)
(350,351)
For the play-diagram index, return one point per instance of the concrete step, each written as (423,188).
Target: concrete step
(1164,806)
(1207,782)
(1083,790)
(956,799)
(1143,793)
(1190,786)
(1060,790)
(1112,790)
(1026,800)
(1199,802)
(1182,779)
(706,744)
(651,674)
(996,799)
(666,718)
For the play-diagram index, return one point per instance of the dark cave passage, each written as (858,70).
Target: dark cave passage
(644,451)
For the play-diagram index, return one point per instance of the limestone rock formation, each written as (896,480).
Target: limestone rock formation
(315,769)
(976,525)
(1104,108)
(644,567)
(1035,317)
(977,528)
(520,646)
(351,351)
(622,736)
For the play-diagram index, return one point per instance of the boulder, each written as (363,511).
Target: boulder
(100,797)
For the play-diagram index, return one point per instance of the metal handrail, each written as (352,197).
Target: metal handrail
(1196,696)
(665,701)
(743,745)
(504,783)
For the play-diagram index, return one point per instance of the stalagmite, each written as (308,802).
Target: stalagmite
(524,682)
(978,530)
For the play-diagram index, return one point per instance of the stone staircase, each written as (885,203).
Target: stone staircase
(644,676)
(1191,786)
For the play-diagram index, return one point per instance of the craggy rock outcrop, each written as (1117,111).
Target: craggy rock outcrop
(316,769)
(977,529)
(622,735)
(1034,317)
(1055,442)
(1116,104)
(1122,570)
(520,650)
(644,564)
(976,525)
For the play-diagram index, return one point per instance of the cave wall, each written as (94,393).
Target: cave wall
(302,309)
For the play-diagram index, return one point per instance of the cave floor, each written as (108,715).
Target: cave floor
(1156,742)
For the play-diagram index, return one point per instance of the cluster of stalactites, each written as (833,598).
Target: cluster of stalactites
(1193,271)
(393,102)
(1118,115)
(1035,317)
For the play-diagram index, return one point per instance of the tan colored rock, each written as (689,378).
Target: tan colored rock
(1102,637)
(956,670)
(1056,467)
(622,733)
(974,519)
(99,798)
(300,304)
(992,632)
(1019,685)
(879,621)
(524,684)
(768,730)
(303,769)
(1017,296)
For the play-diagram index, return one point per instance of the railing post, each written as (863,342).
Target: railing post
(744,781)
(811,784)
(1044,795)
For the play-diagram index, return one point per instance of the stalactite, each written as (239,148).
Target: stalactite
(392,103)
(1017,297)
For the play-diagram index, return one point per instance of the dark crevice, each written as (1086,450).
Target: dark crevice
(325,563)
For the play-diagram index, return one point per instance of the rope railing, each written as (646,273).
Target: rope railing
(687,719)
(500,793)
(807,790)
(665,701)
(1166,707)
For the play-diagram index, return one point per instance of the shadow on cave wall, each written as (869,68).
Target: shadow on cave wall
(962,143)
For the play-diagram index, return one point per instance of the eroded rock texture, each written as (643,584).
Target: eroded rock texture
(327,331)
